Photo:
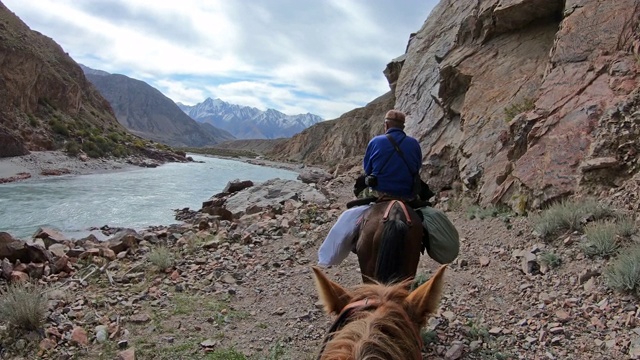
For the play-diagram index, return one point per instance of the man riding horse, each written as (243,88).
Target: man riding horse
(392,165)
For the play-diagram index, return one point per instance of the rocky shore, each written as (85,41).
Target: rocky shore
(233,281)
(39,164)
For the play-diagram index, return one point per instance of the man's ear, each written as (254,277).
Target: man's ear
(426,298)
(333,296)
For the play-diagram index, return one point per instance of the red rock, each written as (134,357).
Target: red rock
(129,354)
(47,344)
(19,276)
(108,254)
(175,275)
(79,336)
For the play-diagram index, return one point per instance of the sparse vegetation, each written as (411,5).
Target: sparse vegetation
(476,330)
(550,259)
(226,354)
(277,351)
(428,337)
(514,109)
(33,121)
(569,216)
(72,148)
(23,305)
(601,237)
(623,274)
(478,212)
(161,257)
(626,227)
(419,280)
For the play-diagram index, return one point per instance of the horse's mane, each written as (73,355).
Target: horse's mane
(382,333)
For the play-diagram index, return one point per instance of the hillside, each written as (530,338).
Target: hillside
(523,103)
(145,111)
(46,103)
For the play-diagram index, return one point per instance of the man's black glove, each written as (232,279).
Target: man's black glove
(359,186)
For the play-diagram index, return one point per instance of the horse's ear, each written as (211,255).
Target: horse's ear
(426,298)
(333,296)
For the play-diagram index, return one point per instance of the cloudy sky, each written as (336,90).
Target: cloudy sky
(320,56)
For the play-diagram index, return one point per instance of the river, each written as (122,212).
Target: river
(134,198)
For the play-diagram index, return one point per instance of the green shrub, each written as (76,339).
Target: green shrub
(550,259)
(277,351)
(569,216)
(428,336)
(601,239)
(91,149)
(514,109)
(161,257)
(72,148)
(33,121)
(59,128)
(623,274)
(115,137)
(419,280)
(23,305)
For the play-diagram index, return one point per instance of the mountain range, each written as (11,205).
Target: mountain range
(146,112)
(246,122)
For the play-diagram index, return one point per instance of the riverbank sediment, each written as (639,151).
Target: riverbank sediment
(39,164)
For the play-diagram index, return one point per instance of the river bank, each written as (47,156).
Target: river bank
(40,164)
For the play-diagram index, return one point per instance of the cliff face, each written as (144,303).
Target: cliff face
(523,101)
(44,96)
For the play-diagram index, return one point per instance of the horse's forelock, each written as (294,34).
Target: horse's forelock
(380,334)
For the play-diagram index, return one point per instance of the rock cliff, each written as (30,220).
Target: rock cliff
(523,101)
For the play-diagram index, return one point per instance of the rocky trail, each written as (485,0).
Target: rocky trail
(243,289)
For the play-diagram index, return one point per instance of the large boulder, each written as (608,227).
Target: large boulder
(12,249)
(273,193)
(11,145)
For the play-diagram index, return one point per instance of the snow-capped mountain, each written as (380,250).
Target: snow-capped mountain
(245,122)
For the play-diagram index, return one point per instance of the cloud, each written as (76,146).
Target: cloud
(320,56)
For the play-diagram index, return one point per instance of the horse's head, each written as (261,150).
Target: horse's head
(377,319)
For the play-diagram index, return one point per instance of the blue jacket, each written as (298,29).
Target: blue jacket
(396,178)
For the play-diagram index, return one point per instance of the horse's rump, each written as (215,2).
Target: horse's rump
(390,241)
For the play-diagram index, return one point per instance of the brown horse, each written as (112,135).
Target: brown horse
(389,242)
(377,321)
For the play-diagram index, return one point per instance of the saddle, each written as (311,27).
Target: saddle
(414,204)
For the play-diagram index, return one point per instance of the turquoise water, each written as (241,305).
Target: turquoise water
(134,199)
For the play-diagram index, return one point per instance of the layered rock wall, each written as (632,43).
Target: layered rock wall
(523,101)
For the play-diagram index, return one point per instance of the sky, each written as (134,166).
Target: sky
(324,57)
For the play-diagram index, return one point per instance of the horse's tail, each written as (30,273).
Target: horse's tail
(392,250)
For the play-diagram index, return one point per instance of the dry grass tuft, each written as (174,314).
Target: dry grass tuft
(23,305)
(161,257)
(623,273)
(569,216)
(601,239)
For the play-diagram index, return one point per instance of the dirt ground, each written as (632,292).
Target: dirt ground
(258,301)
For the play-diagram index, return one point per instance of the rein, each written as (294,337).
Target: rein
(362,305)
(404,210)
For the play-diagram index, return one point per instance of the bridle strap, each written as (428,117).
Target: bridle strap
(404,210)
